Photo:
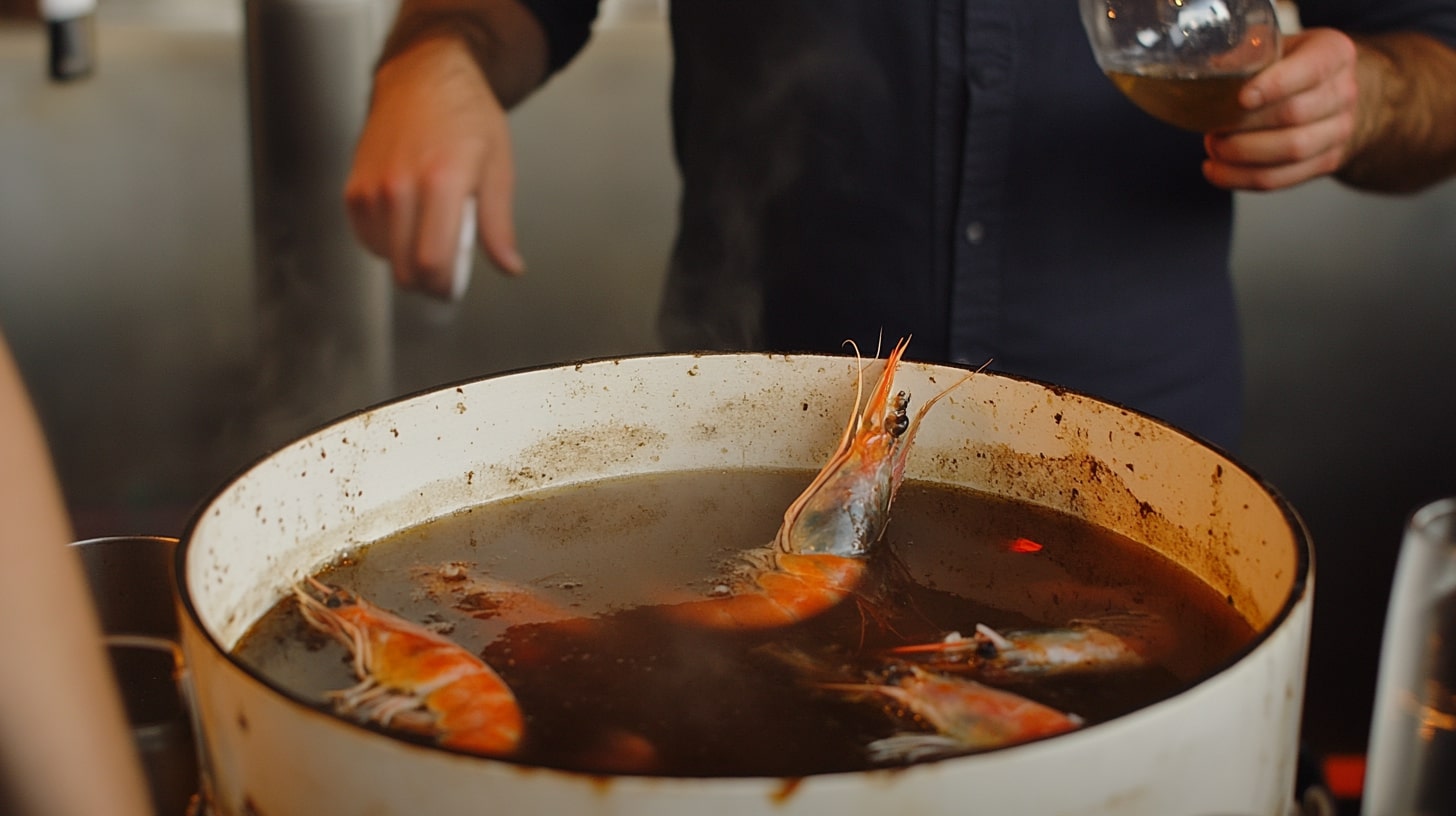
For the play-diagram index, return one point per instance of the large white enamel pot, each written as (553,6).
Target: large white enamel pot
(1225,745)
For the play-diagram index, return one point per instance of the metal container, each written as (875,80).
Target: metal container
(131,581)
(1227,744)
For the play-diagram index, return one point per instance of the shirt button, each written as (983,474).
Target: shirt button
(975,232)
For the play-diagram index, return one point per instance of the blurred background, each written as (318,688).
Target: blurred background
(139,304)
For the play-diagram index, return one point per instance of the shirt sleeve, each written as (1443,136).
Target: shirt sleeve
(1436,18)
(567,24)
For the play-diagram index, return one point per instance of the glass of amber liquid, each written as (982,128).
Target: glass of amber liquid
(1183,61)
(1412,759)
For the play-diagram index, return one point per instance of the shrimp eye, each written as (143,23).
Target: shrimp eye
(900,421)
(895,672)
(338,598)
(985,650)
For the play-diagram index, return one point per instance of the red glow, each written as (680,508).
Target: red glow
(1345,775)
(1024,545)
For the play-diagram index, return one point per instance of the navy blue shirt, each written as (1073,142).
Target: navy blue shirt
(957,171)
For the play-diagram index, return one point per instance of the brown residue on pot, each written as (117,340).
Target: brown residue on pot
(1084,486)
(563,455)
(786,789)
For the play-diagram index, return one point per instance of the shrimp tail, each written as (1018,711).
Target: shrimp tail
(797,588)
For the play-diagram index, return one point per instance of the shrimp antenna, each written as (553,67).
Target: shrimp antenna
(854,422)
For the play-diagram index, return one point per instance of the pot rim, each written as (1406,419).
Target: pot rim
(1299,588)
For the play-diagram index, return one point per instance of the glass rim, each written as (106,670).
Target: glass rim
(1431,513)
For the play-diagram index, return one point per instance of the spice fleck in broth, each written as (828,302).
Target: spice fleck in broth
(562,593)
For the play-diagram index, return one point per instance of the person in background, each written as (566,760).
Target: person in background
(956,170)
(65,746)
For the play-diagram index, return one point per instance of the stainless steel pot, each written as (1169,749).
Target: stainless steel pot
(131,583)
(1225,745)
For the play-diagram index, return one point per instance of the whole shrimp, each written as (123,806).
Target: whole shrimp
(965,715)
(412,678)
(1109,643)
(818,555)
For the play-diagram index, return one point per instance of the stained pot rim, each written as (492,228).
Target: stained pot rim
(1299,584)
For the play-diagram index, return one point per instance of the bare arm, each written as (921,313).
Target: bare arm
(437,133)
(1376,112)
(64,744)
(1406,139)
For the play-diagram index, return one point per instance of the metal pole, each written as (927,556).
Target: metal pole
(324,304)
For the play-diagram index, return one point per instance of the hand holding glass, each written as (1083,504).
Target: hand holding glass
(1183,61)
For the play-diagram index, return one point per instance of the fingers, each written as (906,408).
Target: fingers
(417,229)
(1311,59)
(435,136)
(1302,117)
(401,221)
(401,235)
(1277,158)
(496,217)
(368,219)
(1266,178)
(435,240)
(1314,81)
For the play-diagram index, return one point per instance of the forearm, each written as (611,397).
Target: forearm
(64,744)
(503,38)
(1406,136)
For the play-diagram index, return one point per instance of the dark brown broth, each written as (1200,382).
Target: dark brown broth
(641,694)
